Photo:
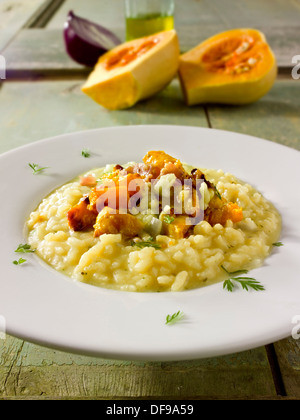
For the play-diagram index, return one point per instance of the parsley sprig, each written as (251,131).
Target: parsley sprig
(19,261)
(217,193)
(36,168)
(85,153)
(177,316)
(168,219)
(246,282)
(277,244)
(24,248)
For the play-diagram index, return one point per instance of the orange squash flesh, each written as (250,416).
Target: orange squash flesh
(234,67)
(134,71)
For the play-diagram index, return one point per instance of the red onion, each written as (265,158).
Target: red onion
(86,41)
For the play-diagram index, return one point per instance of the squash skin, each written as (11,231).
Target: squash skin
(122,87)
(202,85)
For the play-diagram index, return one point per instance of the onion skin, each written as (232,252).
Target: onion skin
(81,46)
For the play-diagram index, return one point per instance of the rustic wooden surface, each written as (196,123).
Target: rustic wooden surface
(195,20)
(42,98)
(15,15)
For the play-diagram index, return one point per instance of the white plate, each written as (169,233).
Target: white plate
(42,306)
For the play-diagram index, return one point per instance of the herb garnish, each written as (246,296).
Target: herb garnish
(85,153)
(217,193)
(24,249)
(177,316)
(19,261)
(144,244)
(245,282)
(36,168)
(277,244)
(168,219)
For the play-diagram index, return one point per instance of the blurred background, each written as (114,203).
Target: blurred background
(31,30)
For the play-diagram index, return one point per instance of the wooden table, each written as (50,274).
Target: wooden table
(41,97)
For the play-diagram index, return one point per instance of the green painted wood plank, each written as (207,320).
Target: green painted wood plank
(38,371)
(32,111)
(236,13)
(37,52)
(10,349)
(239,13)
(274,117)
(14,15)
(284,42)
(109,13)
(288,356)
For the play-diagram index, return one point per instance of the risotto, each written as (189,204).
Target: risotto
(83,230)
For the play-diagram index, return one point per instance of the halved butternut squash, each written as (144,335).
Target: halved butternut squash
(134,70)
(234,67)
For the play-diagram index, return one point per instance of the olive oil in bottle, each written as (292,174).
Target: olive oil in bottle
(137,27)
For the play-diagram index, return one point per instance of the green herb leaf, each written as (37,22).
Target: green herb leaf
(249,282)
(85,153)
(24,249)
(246,282)
(168,219)
(36,168)
(234,273)
(217,193)
(228,285)
(177,316)
(19,261)
(144,244)
(277,244)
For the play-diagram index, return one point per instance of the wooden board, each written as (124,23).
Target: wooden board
(288,356)
(274,117)
(31,370)
(32,111)
(47,58)
(15,14)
